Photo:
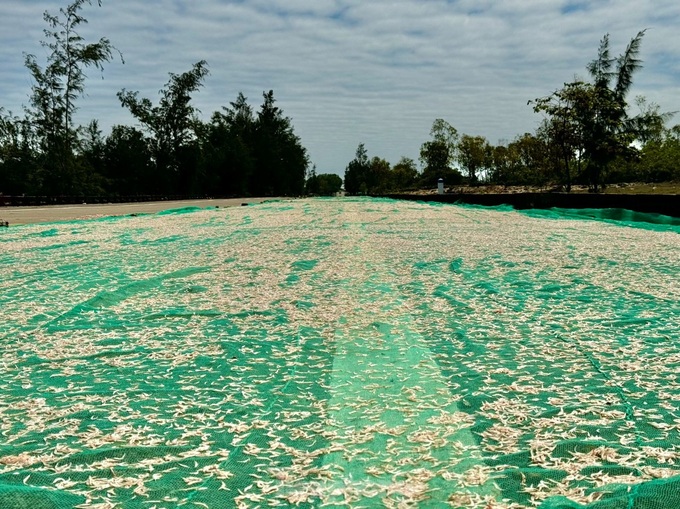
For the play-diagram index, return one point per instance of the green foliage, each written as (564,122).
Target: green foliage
(657,161)
(63,80)
(89,161)
(171,125)
(128,163)
(438,154)
(443,132)
(19,171)
(54,92)
(236,153)
(375,176)
(324,184)
(281,160)
(244,154)
(475,156)
(650,124)
(356,173)
(227,144)
(588,136)
(567,113)
(435,157)
(404,174)
(379,179)
(524,161)
(590,122)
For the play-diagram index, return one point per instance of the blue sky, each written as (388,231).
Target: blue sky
(350,71)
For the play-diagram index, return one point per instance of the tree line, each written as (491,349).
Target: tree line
(587,136)
(238,152)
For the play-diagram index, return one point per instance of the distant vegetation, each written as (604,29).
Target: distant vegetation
(587,136)
(237,152)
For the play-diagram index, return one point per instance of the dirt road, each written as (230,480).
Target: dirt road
(53,213)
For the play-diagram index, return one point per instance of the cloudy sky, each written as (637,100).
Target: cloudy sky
(351,71)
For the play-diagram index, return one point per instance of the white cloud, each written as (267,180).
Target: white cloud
(348,71)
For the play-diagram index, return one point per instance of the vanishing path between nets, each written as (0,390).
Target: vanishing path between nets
(390,399)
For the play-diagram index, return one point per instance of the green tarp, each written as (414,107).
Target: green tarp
(341,352)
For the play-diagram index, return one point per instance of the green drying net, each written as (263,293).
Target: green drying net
(341,353)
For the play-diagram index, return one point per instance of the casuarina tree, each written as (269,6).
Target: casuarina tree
(55,89)
(592,120)
(172,125)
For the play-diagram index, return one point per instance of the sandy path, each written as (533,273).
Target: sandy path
(52,213)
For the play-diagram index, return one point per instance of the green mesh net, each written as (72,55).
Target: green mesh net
(341,353)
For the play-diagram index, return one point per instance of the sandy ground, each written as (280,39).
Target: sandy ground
(52,213)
